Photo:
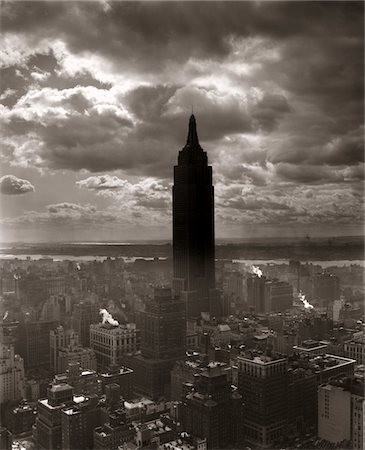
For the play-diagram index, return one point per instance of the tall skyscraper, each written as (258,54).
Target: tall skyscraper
(193,228)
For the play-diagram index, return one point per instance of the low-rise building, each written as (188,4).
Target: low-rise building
(75,353)
(123,376)
(311,347)
(113,434)
(84,382)
(20,417)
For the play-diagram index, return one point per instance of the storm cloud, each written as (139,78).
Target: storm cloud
(101,93)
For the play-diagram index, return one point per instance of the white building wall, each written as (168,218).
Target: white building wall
(334,413)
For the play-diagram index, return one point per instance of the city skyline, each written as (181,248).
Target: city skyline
(95,99)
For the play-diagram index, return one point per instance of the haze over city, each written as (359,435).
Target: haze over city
(96,97)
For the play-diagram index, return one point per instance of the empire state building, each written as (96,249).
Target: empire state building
(193,229)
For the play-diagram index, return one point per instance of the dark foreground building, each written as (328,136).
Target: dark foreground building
(262,382)
(163,336)
(193,229)
(214,411)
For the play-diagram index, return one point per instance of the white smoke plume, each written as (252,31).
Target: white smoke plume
(257,271)
(305,302)
(108,318)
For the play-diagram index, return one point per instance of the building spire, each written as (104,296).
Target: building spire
(192,140)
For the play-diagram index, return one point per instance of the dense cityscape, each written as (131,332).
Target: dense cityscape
(182,225)
(188,353)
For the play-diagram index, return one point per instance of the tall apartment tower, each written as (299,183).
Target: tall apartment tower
(12,380)
(193,228)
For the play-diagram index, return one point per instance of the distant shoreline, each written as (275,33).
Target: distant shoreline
(219,241)
(320,249)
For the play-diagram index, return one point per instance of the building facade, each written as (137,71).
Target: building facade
(58,338)
(78,423)
(163,340)
(48,429)
(34,343)
(74,353)
(355,348)
(110,343)
(278,296)
(340,411)
(83,315)
(263,384)
(12,379)
(213,411)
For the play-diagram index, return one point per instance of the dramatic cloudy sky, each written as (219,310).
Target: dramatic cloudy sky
(96,97)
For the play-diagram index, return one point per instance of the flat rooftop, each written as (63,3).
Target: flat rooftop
(261,358)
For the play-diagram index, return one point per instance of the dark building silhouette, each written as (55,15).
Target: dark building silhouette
(19,417)
(163,336)
(84,314)
(262,382)
(78,423)
(33,343)
(48,429)
(214,411)
(266,295)
(122,376)
(163,327)
(256,293)
(117,431)
(193,228)
(278,296)
(301,400)
(325,287)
